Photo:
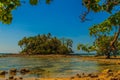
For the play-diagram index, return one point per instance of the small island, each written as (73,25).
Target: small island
(45,44)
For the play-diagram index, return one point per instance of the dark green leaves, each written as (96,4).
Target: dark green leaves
(99,5)
(7,18)
(106,26)
(96,7)
(48,1)
(86,48)
(44,44)
(6,8)
(33,2)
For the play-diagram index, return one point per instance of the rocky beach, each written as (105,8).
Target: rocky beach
(106,74)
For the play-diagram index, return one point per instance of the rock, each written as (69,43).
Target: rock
(14,70)
(98,79)
(118,62)
(36,79)
(114,78)
(78,75)
(11,77)
(118,72)
(83,73)
(93,75)
(24,70)
(110,73)
(20,78)
(15,79)
(89,75)
(72,77)
(106,71)
(2,72)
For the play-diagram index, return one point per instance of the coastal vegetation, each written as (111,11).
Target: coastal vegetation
(45,44)
(107,32)
(101,46)
(7,7)
(103,32)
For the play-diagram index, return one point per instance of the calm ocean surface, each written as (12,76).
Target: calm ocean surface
(53,67)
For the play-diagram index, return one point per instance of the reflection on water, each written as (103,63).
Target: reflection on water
(53,67)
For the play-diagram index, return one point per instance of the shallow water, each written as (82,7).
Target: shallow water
(53,67)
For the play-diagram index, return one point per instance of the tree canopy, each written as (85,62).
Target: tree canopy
(7,6)
(105,42)
(45,44)
(109,6)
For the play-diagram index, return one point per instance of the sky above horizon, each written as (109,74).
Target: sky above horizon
(60,18)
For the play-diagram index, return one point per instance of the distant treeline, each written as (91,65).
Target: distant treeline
(45,44)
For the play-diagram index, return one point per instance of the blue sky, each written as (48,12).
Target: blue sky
(60,18)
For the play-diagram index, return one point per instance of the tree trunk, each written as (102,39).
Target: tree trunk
(112,43)
(108,55)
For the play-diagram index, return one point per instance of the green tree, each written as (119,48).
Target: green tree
(86,48)
(69,43)
(105,27)
(7,6)
(43,44)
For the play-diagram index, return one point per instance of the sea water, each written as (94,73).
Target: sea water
(53,67)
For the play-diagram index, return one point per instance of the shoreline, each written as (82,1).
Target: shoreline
(113,60)
(95,76)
